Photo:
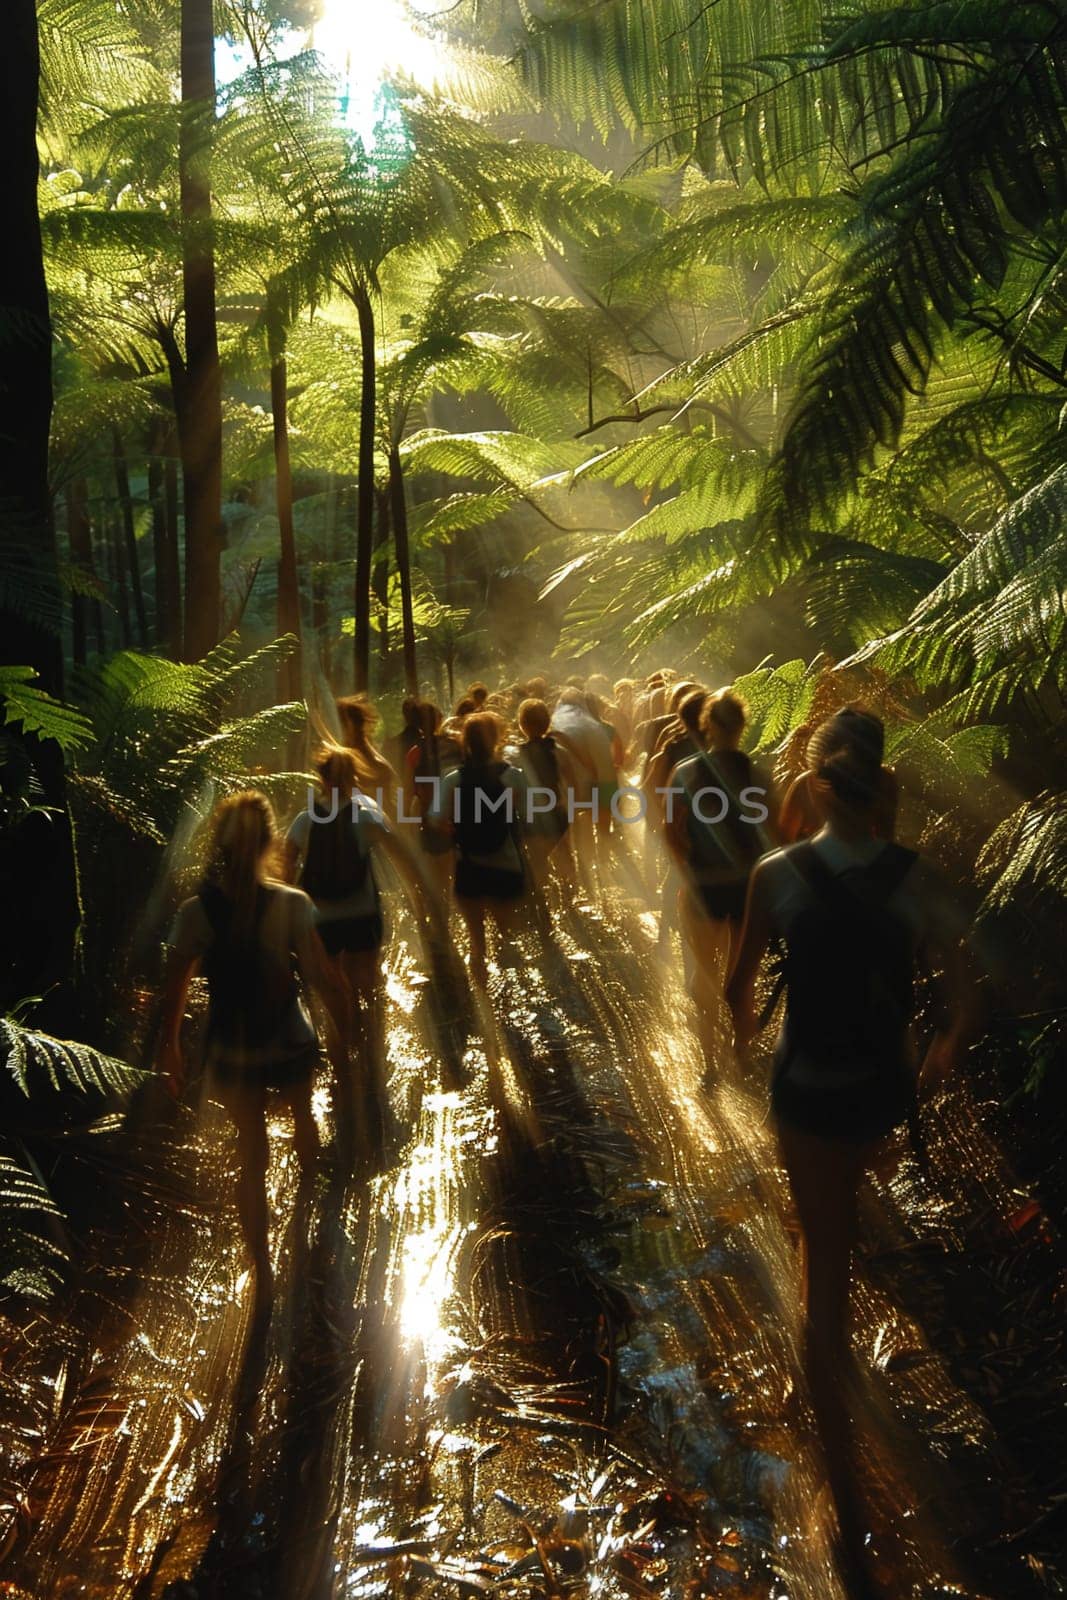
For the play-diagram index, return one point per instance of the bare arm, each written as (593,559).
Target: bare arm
(756,931)
(320,975)
(179,975)
(946,954)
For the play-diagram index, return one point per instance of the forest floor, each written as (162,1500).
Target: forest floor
(550,1350)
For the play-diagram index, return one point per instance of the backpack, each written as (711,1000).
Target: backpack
(541,761)
(334,867)
(729,846)
(480,830)
(251,996)
(849,964)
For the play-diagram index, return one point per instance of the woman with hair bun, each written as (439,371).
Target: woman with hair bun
(799,818)
(853,912)
(254,940)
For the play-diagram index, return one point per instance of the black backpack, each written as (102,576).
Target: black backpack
(251,996)
(334,867)
(482,823)
(732,844)
(849,965)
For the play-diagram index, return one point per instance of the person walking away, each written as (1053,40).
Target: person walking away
(436,753)
(547,768)
(589,745)
(254,940)
(799,817)
(406,739)
(474,810)
(333,842)
(716,831)
(679,741)
(358,720)
(853,912)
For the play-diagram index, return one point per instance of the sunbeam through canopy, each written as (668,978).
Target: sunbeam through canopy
(365,44)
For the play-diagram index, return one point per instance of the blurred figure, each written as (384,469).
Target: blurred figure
(852,911)
(435,753)
(590,746)
(255,942)
(716,832)
(334,850)
(623,694)
(681,740)
(547,768)
(358,721)
(479,810)
(408,736)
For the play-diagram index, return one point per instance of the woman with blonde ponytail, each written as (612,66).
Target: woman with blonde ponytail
(254,940)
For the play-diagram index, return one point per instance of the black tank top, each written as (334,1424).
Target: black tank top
(849,964)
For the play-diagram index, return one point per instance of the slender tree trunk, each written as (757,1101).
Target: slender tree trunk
(381,579)
(26,523)
(159,540)
(81,557)
(398,503)
(365,501)
(129,533)
(200,408)
(290,676)
(116,567)
(172,571)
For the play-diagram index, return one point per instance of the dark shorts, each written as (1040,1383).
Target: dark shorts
(289,1073)
(724,901)
(856,1113)
(350,934)
(475,882)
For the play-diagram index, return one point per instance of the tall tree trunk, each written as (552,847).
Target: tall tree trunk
(172,571)
(30,633)
(320,583)
(290,676)
(36,857)
(398,504)
(81,557)
(159,540)
(365,500)
(381,579)
(200,407)
(129,534)
(116,569)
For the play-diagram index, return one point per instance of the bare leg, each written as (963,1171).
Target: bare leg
(824,1175)
(364,974)
(247,1108)
(473,912)
(305,1134)
(707,942)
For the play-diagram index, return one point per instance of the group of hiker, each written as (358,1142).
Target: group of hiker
(517,805)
